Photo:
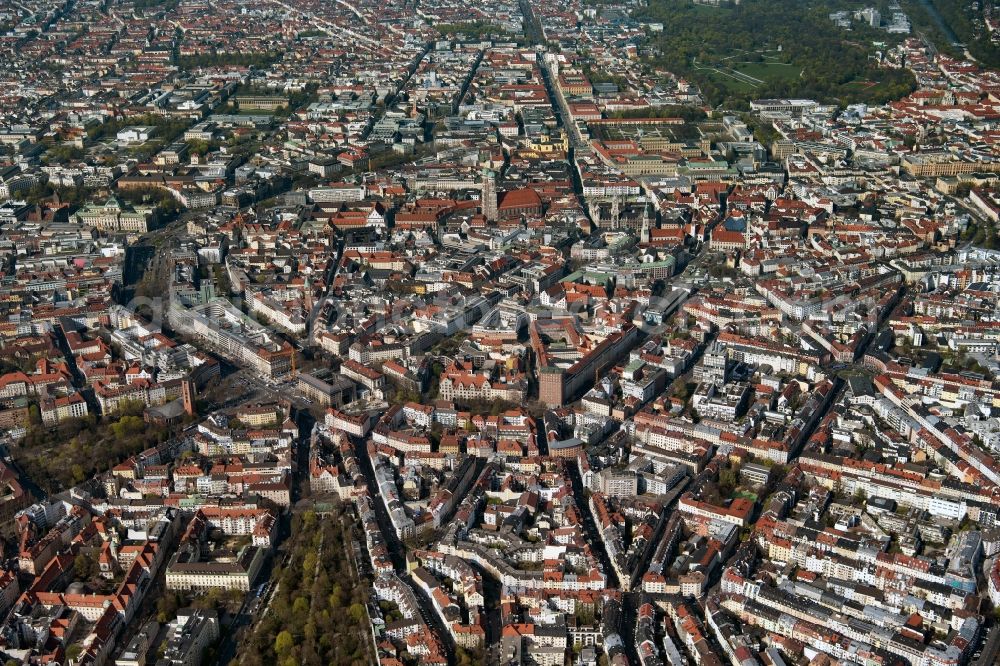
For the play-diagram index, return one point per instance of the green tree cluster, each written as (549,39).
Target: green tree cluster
(79,449)
(258,60)
(470,29)
(834,68)
(167,128)
(967,21)
(317,613)
(62,153)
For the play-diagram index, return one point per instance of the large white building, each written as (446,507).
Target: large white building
(186,572)
(234,335)
(113,216)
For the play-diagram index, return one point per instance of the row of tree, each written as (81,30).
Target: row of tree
(317,612)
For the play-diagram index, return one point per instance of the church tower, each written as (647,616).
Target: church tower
(188,396)
(488,196)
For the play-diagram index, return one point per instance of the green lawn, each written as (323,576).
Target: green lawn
(769,71)
(732,72)
(726,81)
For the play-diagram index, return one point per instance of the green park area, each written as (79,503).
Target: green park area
(754,49)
